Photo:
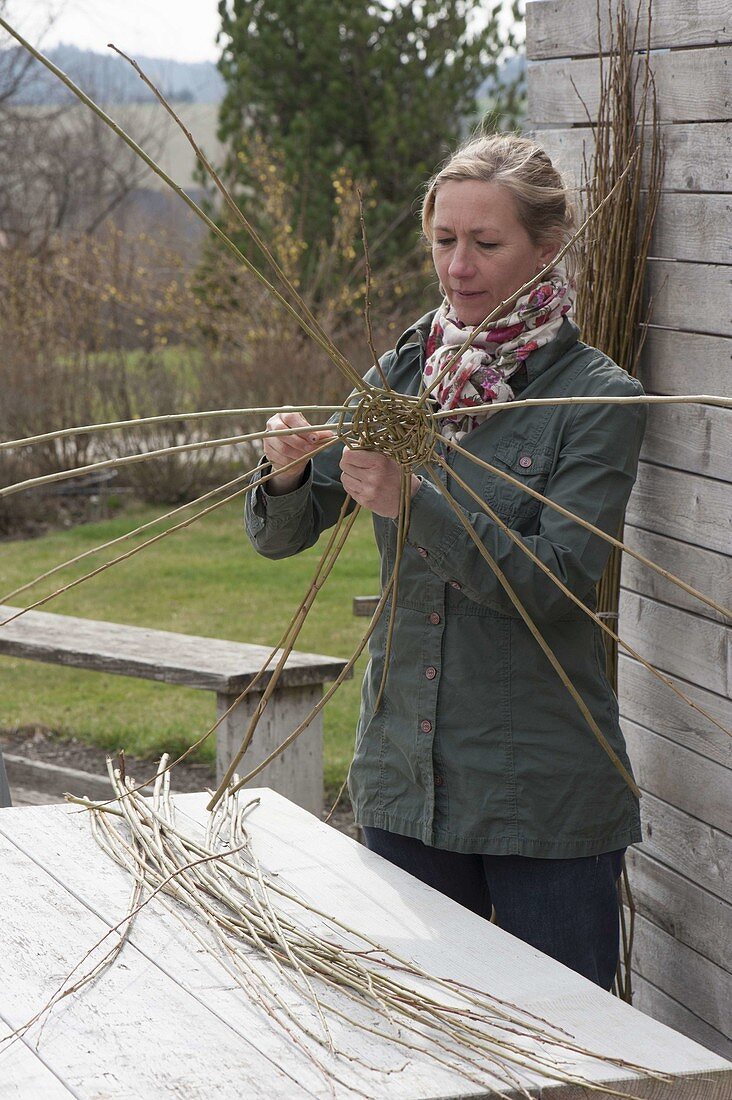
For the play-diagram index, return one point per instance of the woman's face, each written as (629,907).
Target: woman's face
(480,250)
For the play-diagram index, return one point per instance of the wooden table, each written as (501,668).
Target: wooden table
(166,1020)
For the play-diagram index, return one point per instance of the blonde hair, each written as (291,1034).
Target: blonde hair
(543,201)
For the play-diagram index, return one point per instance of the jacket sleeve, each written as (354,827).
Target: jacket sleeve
(283,525)
(592,478)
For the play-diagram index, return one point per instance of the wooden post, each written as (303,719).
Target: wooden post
(297,773)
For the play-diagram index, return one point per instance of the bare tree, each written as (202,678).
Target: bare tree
(61,169)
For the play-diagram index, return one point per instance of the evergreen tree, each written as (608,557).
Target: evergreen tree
(384,90)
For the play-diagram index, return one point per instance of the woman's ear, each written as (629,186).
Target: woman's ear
(547,253)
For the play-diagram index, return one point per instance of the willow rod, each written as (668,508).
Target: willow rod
(167,418)
(519,542)
(724,611)
(125,537)
(539,638)
(320,704)
(328,344)
(126,460)
(338,536)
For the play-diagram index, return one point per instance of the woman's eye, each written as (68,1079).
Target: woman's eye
(486,244)
(444,241)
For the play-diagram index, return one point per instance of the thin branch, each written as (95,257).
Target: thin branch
(168,418)
(327,343)
(724,611)
(537,635)
(519,542)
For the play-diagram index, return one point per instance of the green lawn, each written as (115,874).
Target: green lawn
(204,580)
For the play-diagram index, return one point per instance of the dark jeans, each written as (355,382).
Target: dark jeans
(567,908)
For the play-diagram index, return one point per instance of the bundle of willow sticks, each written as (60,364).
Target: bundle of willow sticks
(311,973)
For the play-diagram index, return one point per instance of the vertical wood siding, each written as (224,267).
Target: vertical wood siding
(681,511)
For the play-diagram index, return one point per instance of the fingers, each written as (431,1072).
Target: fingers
(372,479)
(284,449)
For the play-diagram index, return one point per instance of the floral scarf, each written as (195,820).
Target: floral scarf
(480,376)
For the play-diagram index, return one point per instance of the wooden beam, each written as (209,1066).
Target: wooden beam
(707,570)
(672,362)
(692,86)
(656,630)
(683,506)
(682,778)
(687,845)
(692,297)
(646,700)
(655,1003)
(548,24)
(706,989)
(681,908)
(210,664)
(698,155)
(693,438)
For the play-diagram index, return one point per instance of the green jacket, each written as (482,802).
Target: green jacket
(477,745)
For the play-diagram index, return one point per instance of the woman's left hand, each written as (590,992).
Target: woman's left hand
(374,480)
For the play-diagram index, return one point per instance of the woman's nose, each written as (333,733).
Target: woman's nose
(461,265)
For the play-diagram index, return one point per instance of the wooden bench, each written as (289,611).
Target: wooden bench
(209,664)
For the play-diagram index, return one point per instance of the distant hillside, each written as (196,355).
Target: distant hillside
(110,79)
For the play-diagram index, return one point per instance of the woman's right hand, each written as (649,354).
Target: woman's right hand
(280,450)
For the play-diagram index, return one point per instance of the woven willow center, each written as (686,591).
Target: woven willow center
(393,424)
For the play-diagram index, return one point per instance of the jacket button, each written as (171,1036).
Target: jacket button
(439,781)
(434,618)
(430,672)
(426,726)
(421,550)
(525,461)
(456,584)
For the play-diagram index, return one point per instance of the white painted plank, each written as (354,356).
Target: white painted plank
(680,777)
(682,95)
(104,888)
(382,897)
(700,23)
(683,506)
(705,989)
(654,1002)
(23,1074)
(698,155)
(694,438)
(708,571)
(137,1032)
(655,629)
(681,908)
(678,363)
(693,297)
(689,846)
(358,886)
(644,699)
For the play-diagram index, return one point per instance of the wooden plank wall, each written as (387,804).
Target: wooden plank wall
(681,510)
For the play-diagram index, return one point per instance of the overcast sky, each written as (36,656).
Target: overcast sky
(184,30)
(181,29)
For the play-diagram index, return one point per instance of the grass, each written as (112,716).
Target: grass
(204,580)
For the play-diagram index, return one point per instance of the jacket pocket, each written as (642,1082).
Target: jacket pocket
(530,465)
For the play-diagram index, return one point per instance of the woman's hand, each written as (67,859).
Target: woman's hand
(374,481)
(280,450)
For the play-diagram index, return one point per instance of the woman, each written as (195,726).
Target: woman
(478,773)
